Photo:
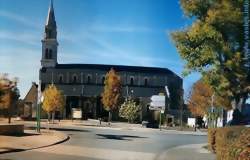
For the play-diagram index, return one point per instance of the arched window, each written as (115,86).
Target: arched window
(131,80)
(60,79)
(46,53)
(74,79)
(145,81)
(89,79)
(103,80)
(50,54)
(49,33)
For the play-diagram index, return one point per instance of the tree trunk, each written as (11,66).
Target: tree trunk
(110,117)
(53,117)
(9,115)
(237,104)
(48,117)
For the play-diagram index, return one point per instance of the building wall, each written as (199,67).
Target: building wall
(80,83)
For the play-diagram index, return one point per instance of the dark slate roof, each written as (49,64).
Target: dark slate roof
(118,68)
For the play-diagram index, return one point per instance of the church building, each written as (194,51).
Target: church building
(82,84)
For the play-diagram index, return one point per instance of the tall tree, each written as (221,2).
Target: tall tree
(111,95)
(53,100)
(214,46)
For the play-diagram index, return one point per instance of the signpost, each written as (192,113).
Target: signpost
(38,114)
(158,103)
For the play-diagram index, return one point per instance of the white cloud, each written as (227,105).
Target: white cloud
(20,19)
(27,38)
(126,29)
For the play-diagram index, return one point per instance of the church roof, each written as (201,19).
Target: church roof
(51,21)
(118,68)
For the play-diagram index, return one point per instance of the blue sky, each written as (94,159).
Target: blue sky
(124,32)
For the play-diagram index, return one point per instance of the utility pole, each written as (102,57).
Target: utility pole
(181,111)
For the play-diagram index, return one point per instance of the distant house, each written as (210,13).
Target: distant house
(30,102)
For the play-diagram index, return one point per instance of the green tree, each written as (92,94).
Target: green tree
(53,100)
(129,110)
(111,95)
(214,46)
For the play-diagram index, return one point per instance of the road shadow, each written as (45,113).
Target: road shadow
(118,137)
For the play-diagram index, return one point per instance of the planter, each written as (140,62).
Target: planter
(11,129)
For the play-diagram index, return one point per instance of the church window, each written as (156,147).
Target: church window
(88,79)
(145,81)
(50,54)
(46,53)
(49,34)
(61,79)
(74,79)
(131,80)
(103,80)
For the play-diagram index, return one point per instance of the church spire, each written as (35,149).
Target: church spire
(50,26)
(49,41)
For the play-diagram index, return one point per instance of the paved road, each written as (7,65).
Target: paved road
(108,144)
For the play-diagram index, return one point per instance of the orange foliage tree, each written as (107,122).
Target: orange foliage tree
(112,92)
(200,99)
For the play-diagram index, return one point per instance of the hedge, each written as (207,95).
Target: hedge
(230,143)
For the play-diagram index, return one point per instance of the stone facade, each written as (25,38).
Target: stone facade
(83,84)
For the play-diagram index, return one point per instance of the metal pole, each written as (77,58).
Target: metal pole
(39,118)
(160,121)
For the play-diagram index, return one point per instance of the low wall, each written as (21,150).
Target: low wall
(11,129)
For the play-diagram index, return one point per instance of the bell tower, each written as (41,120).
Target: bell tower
(49,41)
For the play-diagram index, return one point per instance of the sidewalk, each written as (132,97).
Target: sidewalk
(30,140)
(92,123)
(188,152)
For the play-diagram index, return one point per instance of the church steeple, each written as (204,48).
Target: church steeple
(49,42)
(50,27)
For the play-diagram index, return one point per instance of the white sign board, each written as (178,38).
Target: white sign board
(76,113)
(157,104)
(156,98)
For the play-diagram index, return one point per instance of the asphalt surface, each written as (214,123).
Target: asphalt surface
(114,144)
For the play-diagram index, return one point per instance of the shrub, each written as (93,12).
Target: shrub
(232,143)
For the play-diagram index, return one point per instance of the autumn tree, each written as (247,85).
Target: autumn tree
(111,95)
(214,46)
(53,100)
(129,110)
(202,97)
(204,102)
(9,95)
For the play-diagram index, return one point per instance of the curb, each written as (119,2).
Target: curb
(60,134)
